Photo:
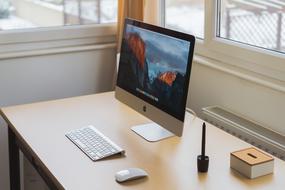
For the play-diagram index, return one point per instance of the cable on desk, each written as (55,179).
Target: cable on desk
(192,112)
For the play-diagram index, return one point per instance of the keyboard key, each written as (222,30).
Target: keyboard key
(80,143)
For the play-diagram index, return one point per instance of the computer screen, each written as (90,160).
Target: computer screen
(154,65)
(153,77)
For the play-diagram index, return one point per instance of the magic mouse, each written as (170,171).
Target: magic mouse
(130,174)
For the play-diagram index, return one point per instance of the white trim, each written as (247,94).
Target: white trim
(161,12)
(56,33)
(249,53)
(56,51)
(246,57)
(240,73)
(210,21)
(42,40)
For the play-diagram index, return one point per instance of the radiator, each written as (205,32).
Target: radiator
(257,135)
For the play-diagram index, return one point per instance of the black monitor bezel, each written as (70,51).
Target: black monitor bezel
(187,37)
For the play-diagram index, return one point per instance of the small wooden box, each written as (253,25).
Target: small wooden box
(252,162)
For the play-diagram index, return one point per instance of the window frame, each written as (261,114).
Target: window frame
(32,39)
(267,63)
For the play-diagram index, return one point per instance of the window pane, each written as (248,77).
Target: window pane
(256,22)
(17,14)
(186,16)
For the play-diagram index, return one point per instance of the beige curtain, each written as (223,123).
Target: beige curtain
(131,9)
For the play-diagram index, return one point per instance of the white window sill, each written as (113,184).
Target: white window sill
(55,40)
(22,54)
(241,73)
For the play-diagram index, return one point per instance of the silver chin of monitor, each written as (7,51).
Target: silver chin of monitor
(165,125)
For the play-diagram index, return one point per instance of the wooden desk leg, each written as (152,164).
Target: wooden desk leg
(14,161)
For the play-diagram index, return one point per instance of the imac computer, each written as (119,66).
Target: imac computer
(153,77)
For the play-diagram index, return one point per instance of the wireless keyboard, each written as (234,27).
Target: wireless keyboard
(93,143)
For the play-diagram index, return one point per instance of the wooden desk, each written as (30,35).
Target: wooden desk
(39,130)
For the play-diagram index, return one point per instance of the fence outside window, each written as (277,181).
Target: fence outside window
(257,23)
(260,23)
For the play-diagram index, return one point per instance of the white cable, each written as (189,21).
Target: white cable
(192,112)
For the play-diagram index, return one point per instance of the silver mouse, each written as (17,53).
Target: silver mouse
(130,174)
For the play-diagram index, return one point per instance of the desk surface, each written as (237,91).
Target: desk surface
(171,163)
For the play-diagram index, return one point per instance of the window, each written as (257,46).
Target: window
(19,14)
(246,34)
(33,27)
(259,23)
(186,16)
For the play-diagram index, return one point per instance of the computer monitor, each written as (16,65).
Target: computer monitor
(153,77)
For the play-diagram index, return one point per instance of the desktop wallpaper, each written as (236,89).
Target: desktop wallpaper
(154,65)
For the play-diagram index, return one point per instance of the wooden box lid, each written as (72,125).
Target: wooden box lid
(252,156)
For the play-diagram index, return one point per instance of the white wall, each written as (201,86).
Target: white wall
(47,77)
(256,102)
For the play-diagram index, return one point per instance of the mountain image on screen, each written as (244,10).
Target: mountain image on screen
(149,68)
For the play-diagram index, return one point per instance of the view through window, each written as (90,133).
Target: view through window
(256,22)
(18,14)
(186,16)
